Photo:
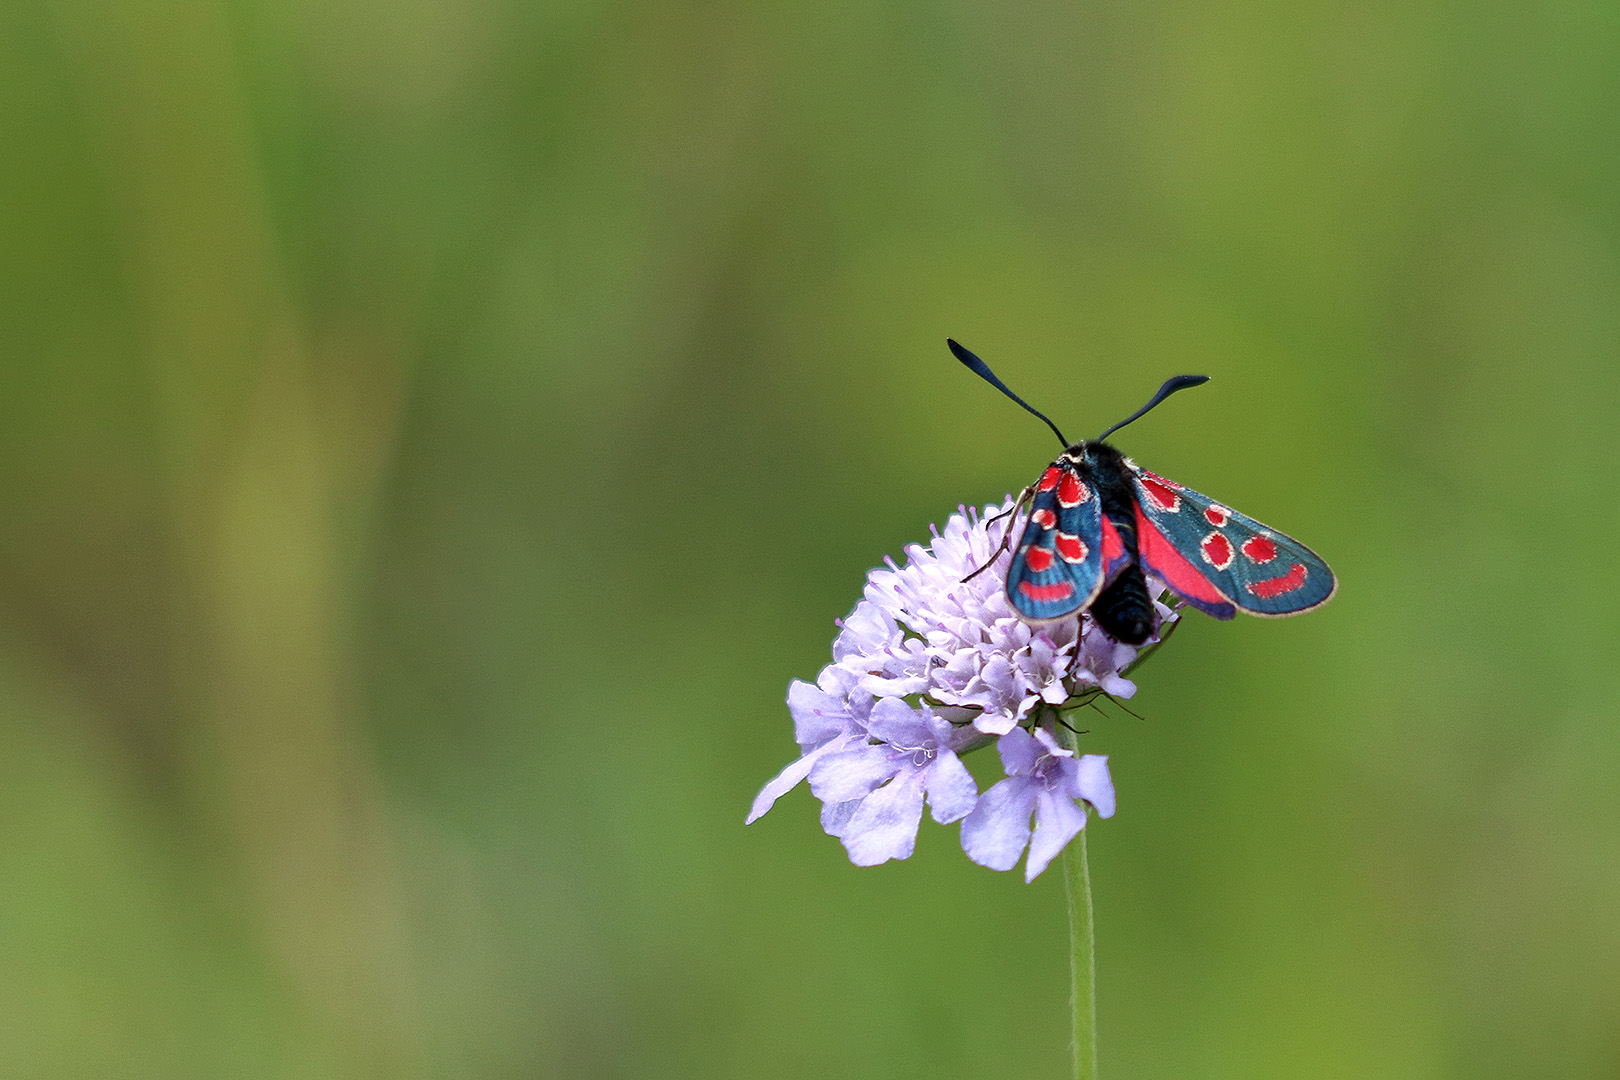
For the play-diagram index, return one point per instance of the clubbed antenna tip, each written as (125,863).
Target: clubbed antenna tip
(982,370)
(1179,382)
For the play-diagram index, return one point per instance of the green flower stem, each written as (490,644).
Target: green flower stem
(1083,961)
(1082,942)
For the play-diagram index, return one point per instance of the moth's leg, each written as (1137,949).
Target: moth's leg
(1006,537)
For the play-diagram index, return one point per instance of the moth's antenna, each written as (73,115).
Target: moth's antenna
(982,370)
(1180,382)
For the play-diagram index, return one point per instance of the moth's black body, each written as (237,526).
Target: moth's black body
(1123,608)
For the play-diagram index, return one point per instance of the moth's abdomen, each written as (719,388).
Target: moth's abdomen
(1124,608)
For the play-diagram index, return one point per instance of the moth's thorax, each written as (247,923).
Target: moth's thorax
(1093,454)
(1109,471)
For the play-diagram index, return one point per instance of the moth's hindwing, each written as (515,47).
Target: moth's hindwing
(1057,567)
(1218,559)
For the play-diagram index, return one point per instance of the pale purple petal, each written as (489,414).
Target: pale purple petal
(997,831)
(864,631)
(1093,783)
(784,782)
(1117,686)
(1049,745)
(1044,664)
(817,715)
(1100,661)
(883,590)
(995,723)
(796,771)
(884,827)
(850,773)
(1019,752)
(895,686)
(998,684)
(955,670)
(951,789)
(895,722)
(837,681)
(1044,779)
(899,669)
(985,678)
(835,816)
(1057,819)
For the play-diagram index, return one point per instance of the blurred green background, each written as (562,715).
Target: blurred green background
(433,433)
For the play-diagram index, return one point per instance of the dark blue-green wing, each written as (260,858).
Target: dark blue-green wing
(1216,558)
(1057,568)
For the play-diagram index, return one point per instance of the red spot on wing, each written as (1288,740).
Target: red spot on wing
(1044,518)
(1045,594)
(1259,549)
(1160,556)
(1158,489)
(1038,559)
(1161,480)
(1072,548)
(1277,586)
(1217,516)
(1071,492)
(1113,546)
(1217,550)
(1049,478)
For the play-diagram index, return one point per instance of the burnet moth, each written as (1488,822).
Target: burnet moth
(1098,520)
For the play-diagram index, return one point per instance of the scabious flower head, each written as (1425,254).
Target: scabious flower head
(933,662)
